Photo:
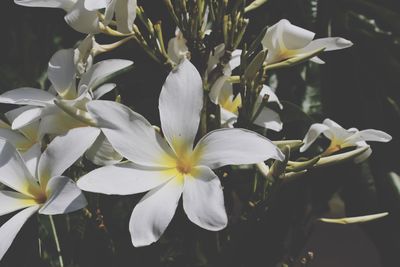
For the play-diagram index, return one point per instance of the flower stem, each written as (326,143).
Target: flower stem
(53,227)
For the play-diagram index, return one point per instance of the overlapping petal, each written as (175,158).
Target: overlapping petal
(27,96)
(11,201)
(61,72)
(235,146)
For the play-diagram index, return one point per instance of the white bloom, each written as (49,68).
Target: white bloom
(172,166)
(46,192)
(124,11)
(78,17)
(284,40)
(62,74)
(342,138)
(221,93)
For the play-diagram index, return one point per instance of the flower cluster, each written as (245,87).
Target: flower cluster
(58,125)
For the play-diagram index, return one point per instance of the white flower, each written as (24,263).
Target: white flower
(62,74)
(47,192)
(124,11)
(78,17)
(342,138)
(284,40)
(172,166)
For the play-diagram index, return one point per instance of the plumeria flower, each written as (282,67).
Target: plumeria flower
(26,140)
(263,115)
(171,167)
(342,138)
(62,74)
(123,10)
(78,17)
(284,40)
(46,192)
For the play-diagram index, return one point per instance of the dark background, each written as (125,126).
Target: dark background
(357,87)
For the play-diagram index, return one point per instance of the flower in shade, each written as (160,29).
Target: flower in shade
(342,138)
(46,191)
(171,167)
(284,41)
(78,17)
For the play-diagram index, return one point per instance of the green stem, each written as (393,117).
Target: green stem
(53,227)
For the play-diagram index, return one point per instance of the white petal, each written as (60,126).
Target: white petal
(374,135)
(81,19)
(363,156)
(294,37)
(336,131)
(235,59)
(64,4)
(154,212)
(177,48)
(217,87)
(12,201)
(269,119)
(103,89)
(31,158)
(129,133)
(102,152)
(228,118)
(27,117)
(58,122)
(14,173)
(10,229)
(27,96)
(315,130)
(272,97)
(63,151)
(16,139)
(331,43)
(215,56)
(63,197)
(124,179)
(125,14)
(101,71)
(203,200)
(180,104)
(96,4)
(235,146)
(317,60)
(61,72)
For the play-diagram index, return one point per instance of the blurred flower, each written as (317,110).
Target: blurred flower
(171,167)
(284,40)
(78,17)
(177,49)
(342,138)
(47,192)
(123,10)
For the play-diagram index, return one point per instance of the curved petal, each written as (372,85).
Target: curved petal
(330,43)
(363,156)
(64,4)
(125,14)
(235,146)
(272,97)
(217,88)
(96,4)
(235,59)
(228,119)
(103,89)
(14,173)
(374,135)
(61,72)
(177,48)
(10,229)
(63,197)
(27,117)
(81,19)
(27,96)
(101,71)
(16,139)
(336,131)
(294,37)
(124,179)
(130,134)
(180,104)
(102,153)
(154,212)
(269,119)
(12,201)
(63,151)
(57,122)
(203,199)
(315,130)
